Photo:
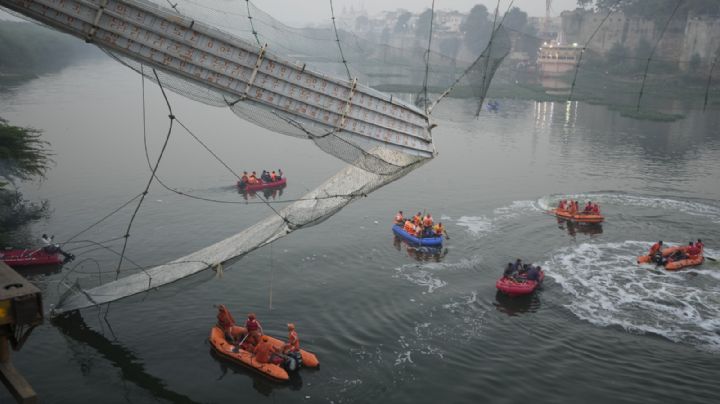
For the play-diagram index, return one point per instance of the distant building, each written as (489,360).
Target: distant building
(555,59)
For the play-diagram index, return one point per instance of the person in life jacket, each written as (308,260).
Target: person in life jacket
(399,219)
(693,250)
(417,219)
(533,273)
(253,178)
(409,227)
(265,352)
(244,178)
(254,329)
(595,209)
(588,208)
(656,249)
(273,176)
(561,205)
(428,221)
(293,344)
(699,244)
(573,207)
(439,229)
(279,174)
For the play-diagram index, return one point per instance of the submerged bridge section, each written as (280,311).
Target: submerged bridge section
(314,104)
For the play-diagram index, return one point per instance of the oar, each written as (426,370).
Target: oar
(237,346)
(712,259)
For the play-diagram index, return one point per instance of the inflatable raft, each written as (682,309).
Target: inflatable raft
(28,257)
(262,185)
(578,217)
(425,241)
(518,286)
(238,355)
(674,265)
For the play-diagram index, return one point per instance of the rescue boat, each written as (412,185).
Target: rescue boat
(424,241)
(666,252)
(26,257)
(577,217)
(238,355)
(519,286)
(674,265)
(262,185)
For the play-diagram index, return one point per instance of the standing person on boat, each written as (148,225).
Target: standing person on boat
(280,174)
(428,221)
(254,329)
(699,244)
(51,248)
(253,178)
(244,179)
(655,252)
(399,219)
(517,266)
(293,344)
(273,176)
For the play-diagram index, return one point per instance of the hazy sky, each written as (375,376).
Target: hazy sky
(299,12)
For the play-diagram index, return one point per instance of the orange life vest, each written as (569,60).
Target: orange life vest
(293,341)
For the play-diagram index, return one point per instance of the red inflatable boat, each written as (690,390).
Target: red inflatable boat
(262,185)
(518,286)
(28,257)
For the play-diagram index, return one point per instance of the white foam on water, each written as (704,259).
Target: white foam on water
(517,208)
(477,225)
(425,274)
(688,207)
(607,288)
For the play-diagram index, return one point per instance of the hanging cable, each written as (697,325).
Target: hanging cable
(337,38)
(647,65)
(427,59)
(709,80)
(252,26)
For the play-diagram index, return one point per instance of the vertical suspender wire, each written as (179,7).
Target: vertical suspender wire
(337,39)
(427,58)
(150,180)
(584,48)
(709,80)
(272,275)
(252,26)
(647,64)
(487,57)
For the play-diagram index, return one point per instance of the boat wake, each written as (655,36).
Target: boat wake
(685,206)
(425,274)
(606,287)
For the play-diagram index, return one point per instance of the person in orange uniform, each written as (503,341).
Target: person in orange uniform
(417,219)
(254,329)
(573,207)
(440,230)
(656,249)
(693,250)
(409,227)
(700,245)
(265,352)
(293,344)
(399,219)
(427,221)
(273,176)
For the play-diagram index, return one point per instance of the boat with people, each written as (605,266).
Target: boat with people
(17,257)
(414,240)
(264,354)
(675,257)
(420,230)
(268,179)
(520,279)
(569,210)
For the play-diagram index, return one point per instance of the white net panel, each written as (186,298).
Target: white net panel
(227,54)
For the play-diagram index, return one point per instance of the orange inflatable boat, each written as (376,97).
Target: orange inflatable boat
(578,217)
(226,349)
(674,265)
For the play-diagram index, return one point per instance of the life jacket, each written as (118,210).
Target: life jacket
(438,229)
(427,222)
(408,227)
(596,209)
(701,246)
(273,177)
(225,319)
(244,179)
(293,341)
(693,251)
(654,249)
(252,325)
(417,219)
(263,350)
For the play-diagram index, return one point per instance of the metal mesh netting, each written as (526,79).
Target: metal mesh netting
(231,59)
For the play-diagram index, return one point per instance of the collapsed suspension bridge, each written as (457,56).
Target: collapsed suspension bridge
(381,137)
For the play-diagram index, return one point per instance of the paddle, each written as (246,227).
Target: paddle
(712,259)
(237,346)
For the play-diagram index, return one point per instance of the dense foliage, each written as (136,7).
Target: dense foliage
(651,9)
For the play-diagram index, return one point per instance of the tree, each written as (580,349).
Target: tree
(422,28)
(402,22)
(477,29)
(656,9)
(515,19)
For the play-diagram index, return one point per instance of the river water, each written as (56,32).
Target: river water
(389,324)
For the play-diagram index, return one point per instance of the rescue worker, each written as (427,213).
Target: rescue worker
(409,227)
(693,250)
(254,329)
(588,208)
(428,221)
(244,178)
(265,352)
(509,270)
(273,176)
(518,265)
(573,207)
(417,219)
(595,209)
(561,205)
(699,244)
(656,249)
(399,219)
(440,230)
(280,174)
(293,344)
(253,178)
